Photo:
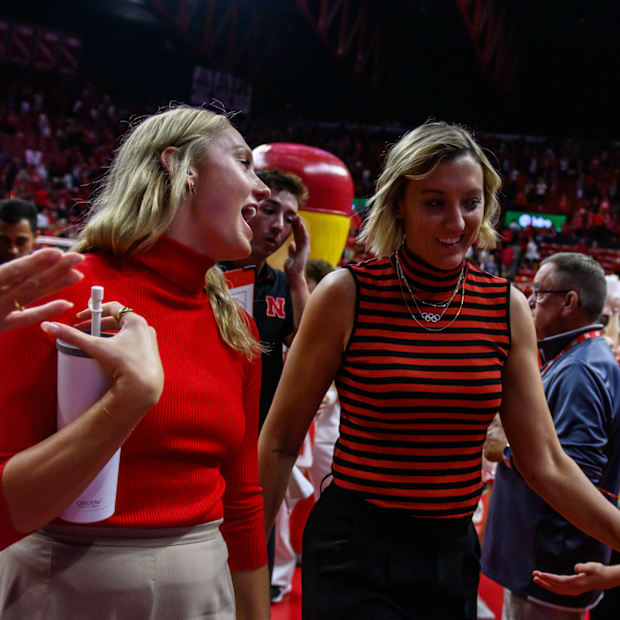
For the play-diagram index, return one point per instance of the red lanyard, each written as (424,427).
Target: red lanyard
(593,333)
(609,494)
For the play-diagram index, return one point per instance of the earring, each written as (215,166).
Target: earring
(190,187)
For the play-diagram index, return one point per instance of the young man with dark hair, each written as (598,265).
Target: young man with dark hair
(279,296)
(18,228)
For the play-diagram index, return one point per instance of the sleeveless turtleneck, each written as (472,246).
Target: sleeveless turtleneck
(430,282)
(416,404)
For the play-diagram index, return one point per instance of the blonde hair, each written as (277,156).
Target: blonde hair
(417,154)
(139,198)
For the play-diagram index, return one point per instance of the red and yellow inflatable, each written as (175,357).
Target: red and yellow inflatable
(329,207)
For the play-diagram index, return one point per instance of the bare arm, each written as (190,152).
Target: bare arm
(534,444)
(251,593)
(588,576)
(27,279)
(40,481)
(295,267)
(310,367)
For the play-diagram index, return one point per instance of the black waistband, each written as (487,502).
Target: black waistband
(354,504)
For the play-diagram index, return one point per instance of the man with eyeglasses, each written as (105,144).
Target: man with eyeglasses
(581,379)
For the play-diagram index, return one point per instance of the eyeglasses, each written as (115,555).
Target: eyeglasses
(538,293)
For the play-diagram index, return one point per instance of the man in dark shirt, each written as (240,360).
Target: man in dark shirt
(279,296)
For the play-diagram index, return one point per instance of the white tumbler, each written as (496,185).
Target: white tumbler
(81,382)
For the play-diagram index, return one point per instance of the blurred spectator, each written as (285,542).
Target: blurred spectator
(18,228)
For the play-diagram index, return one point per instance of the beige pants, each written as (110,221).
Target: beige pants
(75,572)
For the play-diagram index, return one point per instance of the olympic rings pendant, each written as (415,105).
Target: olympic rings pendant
(429,317)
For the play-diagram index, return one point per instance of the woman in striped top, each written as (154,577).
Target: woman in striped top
(424,348)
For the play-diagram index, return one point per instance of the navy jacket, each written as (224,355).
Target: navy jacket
(523,533)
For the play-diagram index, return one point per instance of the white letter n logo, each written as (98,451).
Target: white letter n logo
(275,307)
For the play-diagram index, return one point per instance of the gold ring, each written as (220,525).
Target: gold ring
(18,306)
(119,314)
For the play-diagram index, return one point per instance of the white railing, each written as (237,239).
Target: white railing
(59,242)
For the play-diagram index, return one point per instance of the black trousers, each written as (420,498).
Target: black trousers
(362,562)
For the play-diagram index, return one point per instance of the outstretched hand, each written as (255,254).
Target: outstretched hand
(130,358)
(24,280)
(588,576)
(298,250)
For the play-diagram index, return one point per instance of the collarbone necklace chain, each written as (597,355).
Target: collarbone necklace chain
(430,317)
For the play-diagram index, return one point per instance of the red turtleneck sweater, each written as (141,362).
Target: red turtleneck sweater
(192,458)
(415,404)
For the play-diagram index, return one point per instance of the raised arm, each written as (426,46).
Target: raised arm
(38,482)
(310,367)
(295,268)
(534,443)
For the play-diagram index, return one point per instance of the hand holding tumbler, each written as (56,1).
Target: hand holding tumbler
(82,382)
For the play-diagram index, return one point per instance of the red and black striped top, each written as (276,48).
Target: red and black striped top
(416,404)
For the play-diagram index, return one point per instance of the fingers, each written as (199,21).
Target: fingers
(541,580)
(562,584)
(550,576)
(292,249)
(300,233)
(299,228)
(40,277)
(15,271)
(78,335)
(40,263)
(549,583)
(108,309)
(73,336)
(588,568)
(113,316)
(26,279)
(17,318)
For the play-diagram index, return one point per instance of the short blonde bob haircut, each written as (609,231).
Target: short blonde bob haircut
(415,156)
(139,198)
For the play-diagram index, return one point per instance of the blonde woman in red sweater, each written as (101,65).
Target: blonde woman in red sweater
(188,503)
